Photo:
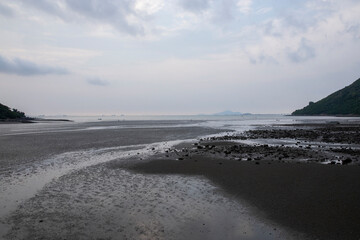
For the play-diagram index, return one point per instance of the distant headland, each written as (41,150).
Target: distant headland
(345,102)
(12,115)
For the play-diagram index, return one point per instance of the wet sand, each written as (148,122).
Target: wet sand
(107,202)
(134,183)
(321,201)
(36,159)
(35,142)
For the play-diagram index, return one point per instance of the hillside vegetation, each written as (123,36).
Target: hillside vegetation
(343,102)
(8,113)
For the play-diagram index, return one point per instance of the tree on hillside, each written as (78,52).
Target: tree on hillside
(8,113)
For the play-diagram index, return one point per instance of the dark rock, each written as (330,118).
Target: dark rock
(346,161)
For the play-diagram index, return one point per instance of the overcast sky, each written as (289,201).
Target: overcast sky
(176,56)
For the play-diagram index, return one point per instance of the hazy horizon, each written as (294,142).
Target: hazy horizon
(155,114)
(182,57)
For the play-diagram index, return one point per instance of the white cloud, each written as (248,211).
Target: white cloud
(232,50)
(149,6)
(283,40)
(244,6)
(264,10)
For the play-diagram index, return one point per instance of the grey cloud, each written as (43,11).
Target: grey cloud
(26,68)
(224,11)
(303,18)
(107,11)
(276,27)
(110,12)
(49,7)
(270,29)
(97,82)
(262,58)
(303,53)
(299,22)
(95,9)
(194,5)
(6,11)
(354,30)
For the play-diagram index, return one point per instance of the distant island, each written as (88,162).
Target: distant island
(230,113)
(345,102)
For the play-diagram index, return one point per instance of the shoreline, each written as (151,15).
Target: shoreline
(320,201)
(31,120)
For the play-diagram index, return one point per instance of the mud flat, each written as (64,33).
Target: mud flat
(143,181)
(108,202)
(303,177)
(38,162)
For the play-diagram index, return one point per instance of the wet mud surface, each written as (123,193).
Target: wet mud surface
(298,181)
(280,182)
(35,142)
(108,202)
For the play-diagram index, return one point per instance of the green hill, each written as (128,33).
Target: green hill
(343,102)
(8,113)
